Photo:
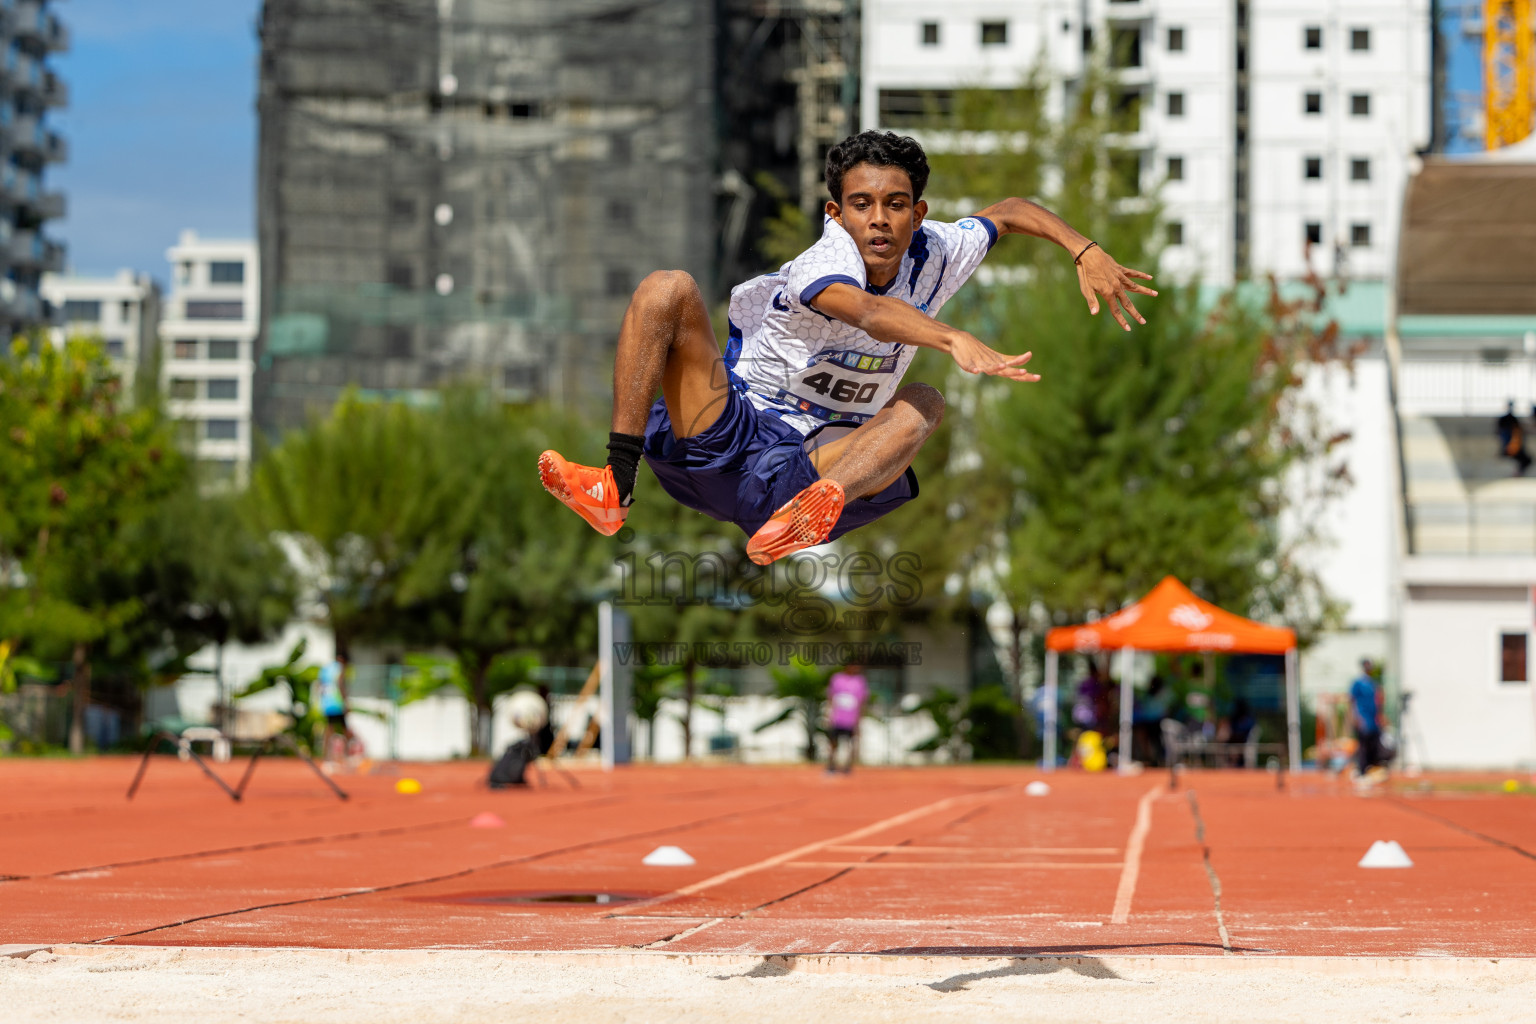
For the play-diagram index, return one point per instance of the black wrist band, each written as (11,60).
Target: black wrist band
(1079,257)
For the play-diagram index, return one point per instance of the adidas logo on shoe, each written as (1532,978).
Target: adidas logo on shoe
(596,490)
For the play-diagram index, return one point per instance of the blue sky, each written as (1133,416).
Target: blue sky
(161,128)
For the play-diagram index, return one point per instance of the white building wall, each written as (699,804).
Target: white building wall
(1460,714)
(1394,72)
(128,315)
(1394,75)
(189,357)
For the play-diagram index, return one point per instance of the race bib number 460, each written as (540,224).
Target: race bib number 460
(844,385)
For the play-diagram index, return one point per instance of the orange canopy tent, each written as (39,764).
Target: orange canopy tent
(1169,618)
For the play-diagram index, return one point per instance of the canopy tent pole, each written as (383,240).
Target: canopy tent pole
(1048,741)
(1292,711)
(1127,695)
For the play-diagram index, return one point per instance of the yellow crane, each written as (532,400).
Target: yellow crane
(1509,71)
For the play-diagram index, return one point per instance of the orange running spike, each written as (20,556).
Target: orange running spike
(803,522)
(589,492)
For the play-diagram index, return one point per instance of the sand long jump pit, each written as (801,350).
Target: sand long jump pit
(945,893)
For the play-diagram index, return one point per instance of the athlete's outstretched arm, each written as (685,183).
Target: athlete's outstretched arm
(891,320)
(1097,272)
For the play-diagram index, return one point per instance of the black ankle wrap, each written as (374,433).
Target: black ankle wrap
(624,459)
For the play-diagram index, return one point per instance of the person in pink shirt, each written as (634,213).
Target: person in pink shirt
(846,694)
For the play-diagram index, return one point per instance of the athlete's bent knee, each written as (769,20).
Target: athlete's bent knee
(927,401)
(670,287)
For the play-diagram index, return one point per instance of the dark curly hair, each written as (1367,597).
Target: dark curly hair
(883,149)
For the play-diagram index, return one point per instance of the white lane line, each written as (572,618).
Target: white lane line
(1133,847)
(848,837)
(1108,851)
(1002,865)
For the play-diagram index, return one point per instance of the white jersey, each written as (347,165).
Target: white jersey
(795,362)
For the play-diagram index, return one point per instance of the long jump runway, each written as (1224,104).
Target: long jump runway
(788,862)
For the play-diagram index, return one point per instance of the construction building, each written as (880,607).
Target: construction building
(456,189)
(472,188)
(30,34)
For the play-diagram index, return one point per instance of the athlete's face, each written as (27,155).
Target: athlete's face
(879,212)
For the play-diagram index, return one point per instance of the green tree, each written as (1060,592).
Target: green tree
(81,478)
(506,569)
(804,685)
(427,674)
(359,493)
(1139,453)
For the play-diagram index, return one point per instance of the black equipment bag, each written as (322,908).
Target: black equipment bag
(511,768)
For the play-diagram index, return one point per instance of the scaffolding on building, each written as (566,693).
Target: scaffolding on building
(471,188)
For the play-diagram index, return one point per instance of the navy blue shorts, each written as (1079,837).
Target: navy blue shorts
(747,465)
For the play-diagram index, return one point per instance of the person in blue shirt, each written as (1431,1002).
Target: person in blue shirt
(1365,716)
(331,696)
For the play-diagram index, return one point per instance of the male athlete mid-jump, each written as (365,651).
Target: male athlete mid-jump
(800,430)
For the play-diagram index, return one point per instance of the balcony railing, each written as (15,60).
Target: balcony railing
(1462,386)
(1472,528)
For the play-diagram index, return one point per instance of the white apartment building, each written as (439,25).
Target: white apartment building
(1263,124)
(210,327)
(122,311)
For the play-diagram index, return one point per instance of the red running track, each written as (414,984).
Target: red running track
(933,860)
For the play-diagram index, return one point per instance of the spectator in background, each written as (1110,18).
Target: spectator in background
(1512,439)
(331,696)
(846,693)
(1092,699)
(1365,717)
(1147,714)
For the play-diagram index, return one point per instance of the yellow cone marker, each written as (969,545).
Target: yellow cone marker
(1511,786)
(407,786)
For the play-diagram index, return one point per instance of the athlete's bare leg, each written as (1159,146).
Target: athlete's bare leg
(877,454)
(666,341)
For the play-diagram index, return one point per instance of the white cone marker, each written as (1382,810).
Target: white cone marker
(1037,788)
(1385,854)
(668,857)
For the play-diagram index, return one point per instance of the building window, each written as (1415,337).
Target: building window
(1175,232)
(621,213)
(1360,104)
(1360,39)
(1175,168)
(115,348)
(930,33)
(1314,233)
(1313,168)
(1312,38)
(224,389)
(994,33)
(221,430)
(215,310)
(125,311)
(400,275)
(402,208)
(618,282)
(1176,40)
(226,272)
(186,350)
(223,348)
(903,108)
(1359,169)
(1360,235)
(1512,657)
(1125,48)
(621,150)
(183,389)
(523,111)
(397,343)
(79,310)
(1312,103)
(1175,104)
